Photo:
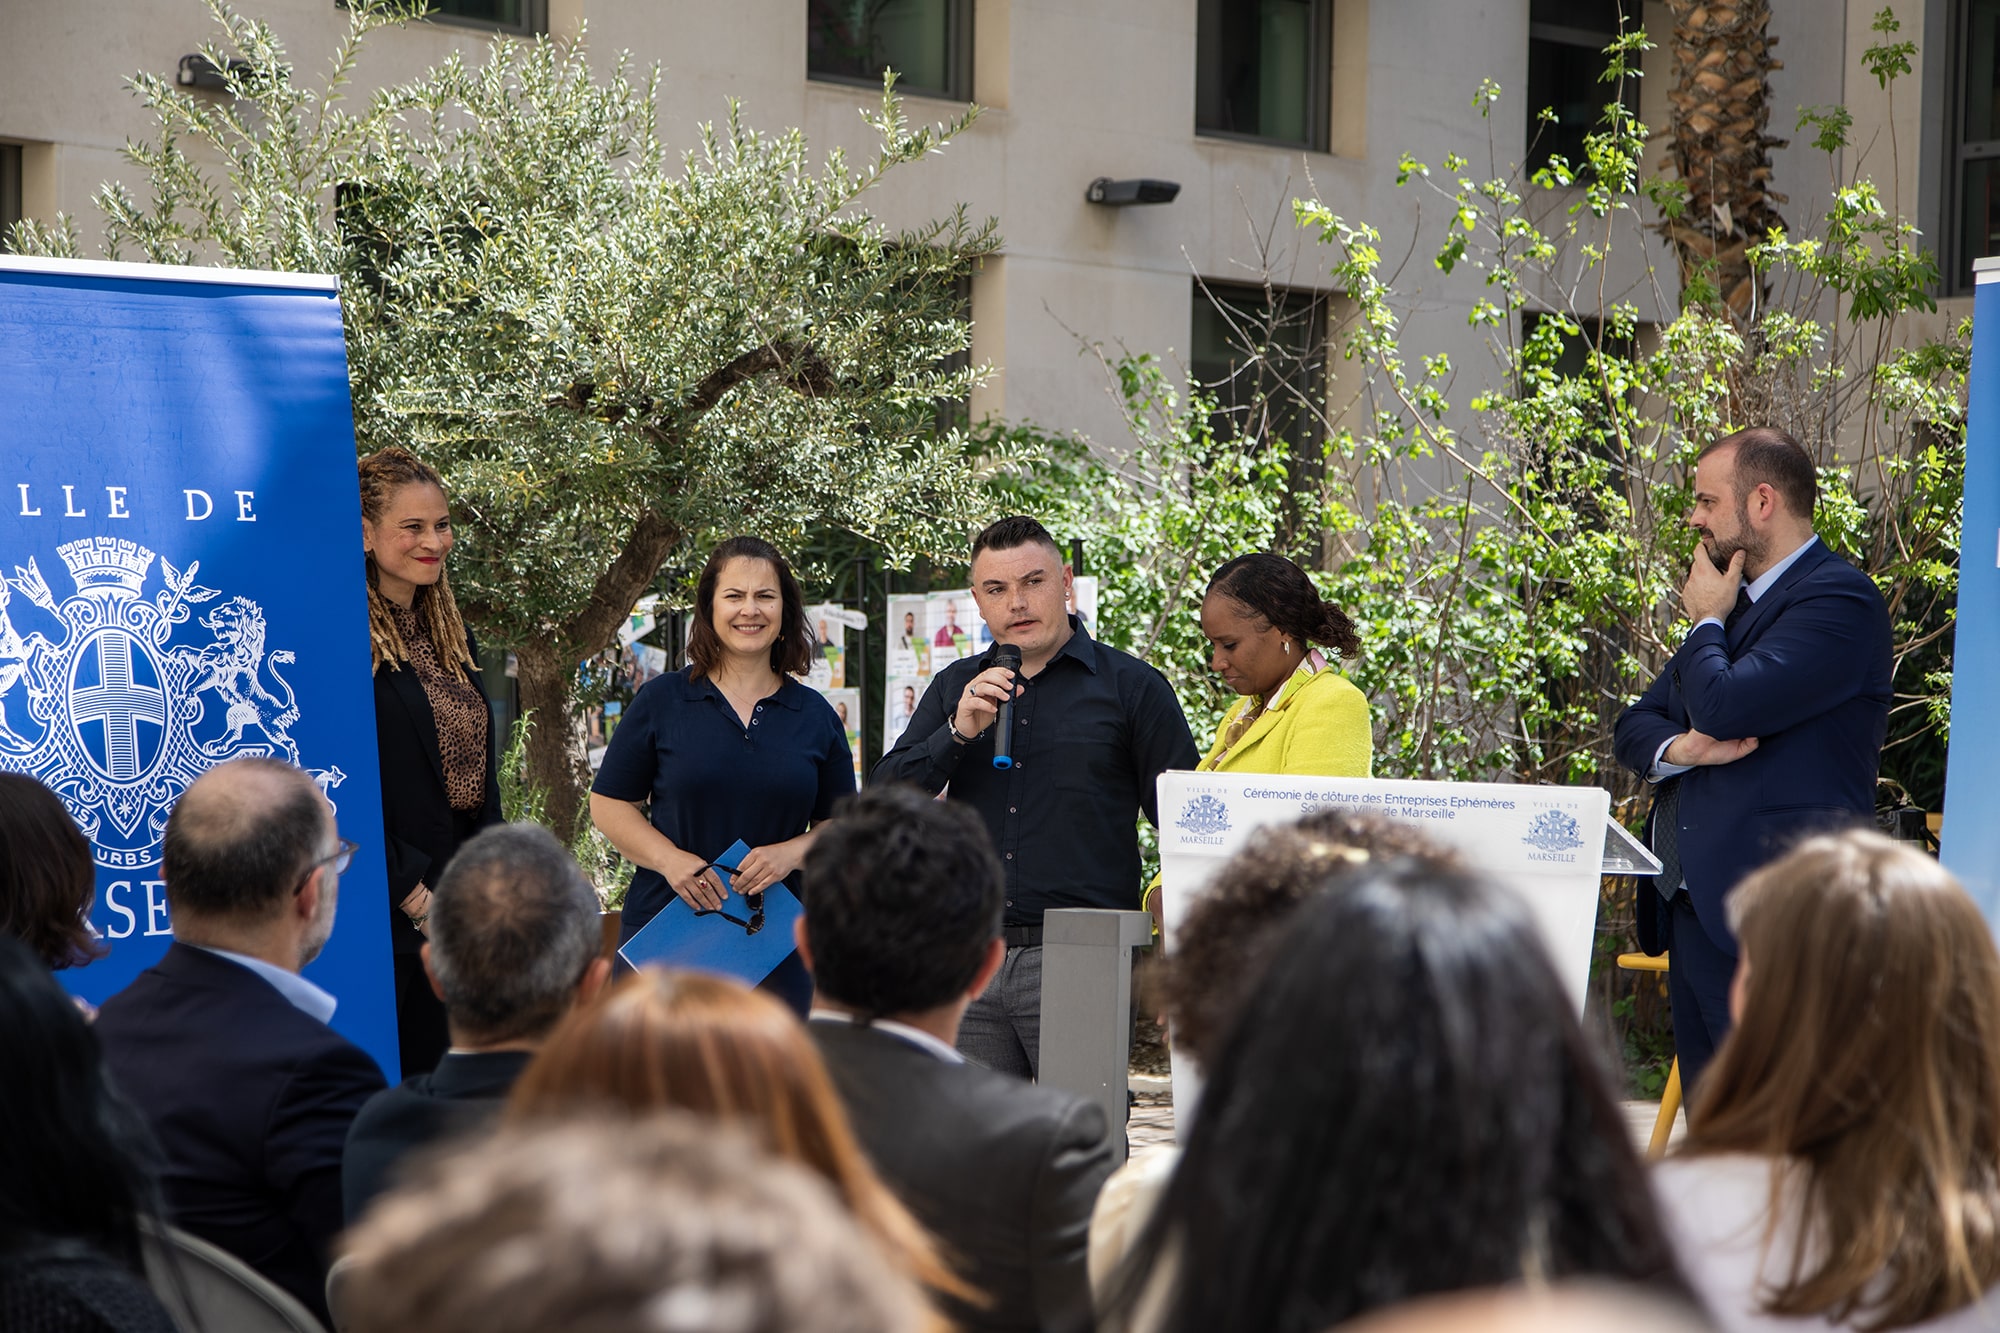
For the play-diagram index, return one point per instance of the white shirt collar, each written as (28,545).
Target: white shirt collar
(917,1037)
(1768,579)
(302,994)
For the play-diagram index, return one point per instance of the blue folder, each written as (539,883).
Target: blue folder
(710,941)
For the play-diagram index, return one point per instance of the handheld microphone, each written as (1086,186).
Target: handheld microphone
(1008,656)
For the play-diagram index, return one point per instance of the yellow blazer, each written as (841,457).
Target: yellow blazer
(1318,728)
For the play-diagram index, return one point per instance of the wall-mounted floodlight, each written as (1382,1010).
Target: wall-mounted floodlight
(1119,194)
(198,71)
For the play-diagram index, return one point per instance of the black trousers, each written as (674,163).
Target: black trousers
(1698,975)
(422,1033)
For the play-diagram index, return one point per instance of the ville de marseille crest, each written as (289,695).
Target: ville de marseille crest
(129,697)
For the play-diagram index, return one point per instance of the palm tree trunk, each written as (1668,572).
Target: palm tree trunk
(1721,103)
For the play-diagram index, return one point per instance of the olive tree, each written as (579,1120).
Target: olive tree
(612,350)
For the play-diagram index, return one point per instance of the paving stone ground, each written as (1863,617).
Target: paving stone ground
(1152,1119)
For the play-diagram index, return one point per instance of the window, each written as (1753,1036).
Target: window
(1262,353)
(927,42)
(957,412)
(10,191)
(1264,69)
(1566,41)
(527,17)
(1973,174)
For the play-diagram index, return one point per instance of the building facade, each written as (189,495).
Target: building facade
(1244,105)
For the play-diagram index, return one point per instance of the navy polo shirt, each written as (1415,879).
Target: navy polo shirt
(712,780)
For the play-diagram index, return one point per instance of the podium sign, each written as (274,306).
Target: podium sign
(180,580)
(1546,843)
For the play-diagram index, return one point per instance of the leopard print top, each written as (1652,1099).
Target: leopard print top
(458,708)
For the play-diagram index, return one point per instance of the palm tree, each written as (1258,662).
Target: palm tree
(1721,103)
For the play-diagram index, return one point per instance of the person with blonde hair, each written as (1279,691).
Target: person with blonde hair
(1842,1165)
(433,727)
(663,1223)
(689,1041)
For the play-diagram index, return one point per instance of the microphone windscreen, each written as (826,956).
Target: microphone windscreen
(1007,655)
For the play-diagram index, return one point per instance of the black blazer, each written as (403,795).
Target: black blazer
(461,1094)
(249,1099)
(418,824)
(1003,1172)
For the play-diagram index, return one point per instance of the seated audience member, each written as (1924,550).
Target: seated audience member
(47,878)
(1220,952)
(1405,1106)
(1842,1164)
(224,1047)
(72,1191)
(651,1224)
(516,942)
(901,931)
(662,1040)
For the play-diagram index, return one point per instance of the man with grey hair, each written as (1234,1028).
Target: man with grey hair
(515,944)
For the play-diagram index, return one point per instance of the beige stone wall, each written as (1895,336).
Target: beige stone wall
(1073,89)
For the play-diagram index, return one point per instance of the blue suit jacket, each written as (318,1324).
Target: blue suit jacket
(250,1099)
(1806,670)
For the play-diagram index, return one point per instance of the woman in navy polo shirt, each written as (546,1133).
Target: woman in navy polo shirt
(728,747)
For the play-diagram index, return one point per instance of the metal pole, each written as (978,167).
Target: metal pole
(1087,1006)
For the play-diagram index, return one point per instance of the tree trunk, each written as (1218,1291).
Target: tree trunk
(555,758)
(1721,102)
(548,670)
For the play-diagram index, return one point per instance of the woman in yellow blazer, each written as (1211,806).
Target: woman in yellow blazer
(1298,715)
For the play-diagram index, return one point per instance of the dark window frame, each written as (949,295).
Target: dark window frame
(1542,139)
(13,189)
(1319,92)
(534,19)
(1955,258)
(958,16)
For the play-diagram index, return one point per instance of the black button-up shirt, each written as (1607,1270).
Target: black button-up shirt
(1092,732)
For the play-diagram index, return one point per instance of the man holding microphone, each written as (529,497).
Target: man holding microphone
(1059,781)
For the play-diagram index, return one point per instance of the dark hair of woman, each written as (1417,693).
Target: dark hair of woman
(67,1144)
(1867,1052)
(1406,1106)
(47,877)
(1283,594)
(791,652)
(383,473)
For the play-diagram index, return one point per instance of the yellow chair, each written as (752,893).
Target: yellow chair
(1670,1100)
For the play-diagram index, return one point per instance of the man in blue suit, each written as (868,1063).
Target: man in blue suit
(224,1047)
(1765,726)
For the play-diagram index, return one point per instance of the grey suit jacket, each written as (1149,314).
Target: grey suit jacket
(1003,1172)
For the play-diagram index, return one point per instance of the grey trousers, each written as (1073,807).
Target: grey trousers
(1003,1027)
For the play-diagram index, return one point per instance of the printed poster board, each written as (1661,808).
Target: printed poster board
(181,580)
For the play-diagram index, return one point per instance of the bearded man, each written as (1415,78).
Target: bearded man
(1765,726)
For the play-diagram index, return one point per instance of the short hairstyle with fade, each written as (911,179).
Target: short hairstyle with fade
(1004,534)
(1767,456)
(514,926)
(904,896)
(239,857)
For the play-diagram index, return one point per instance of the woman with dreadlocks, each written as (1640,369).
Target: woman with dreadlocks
(433,728)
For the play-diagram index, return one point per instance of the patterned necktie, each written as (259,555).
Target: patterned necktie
(1667,837)
(1667,806)
(1743,603)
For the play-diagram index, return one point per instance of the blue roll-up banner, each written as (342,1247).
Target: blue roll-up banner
(1971,847)
(180,580)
